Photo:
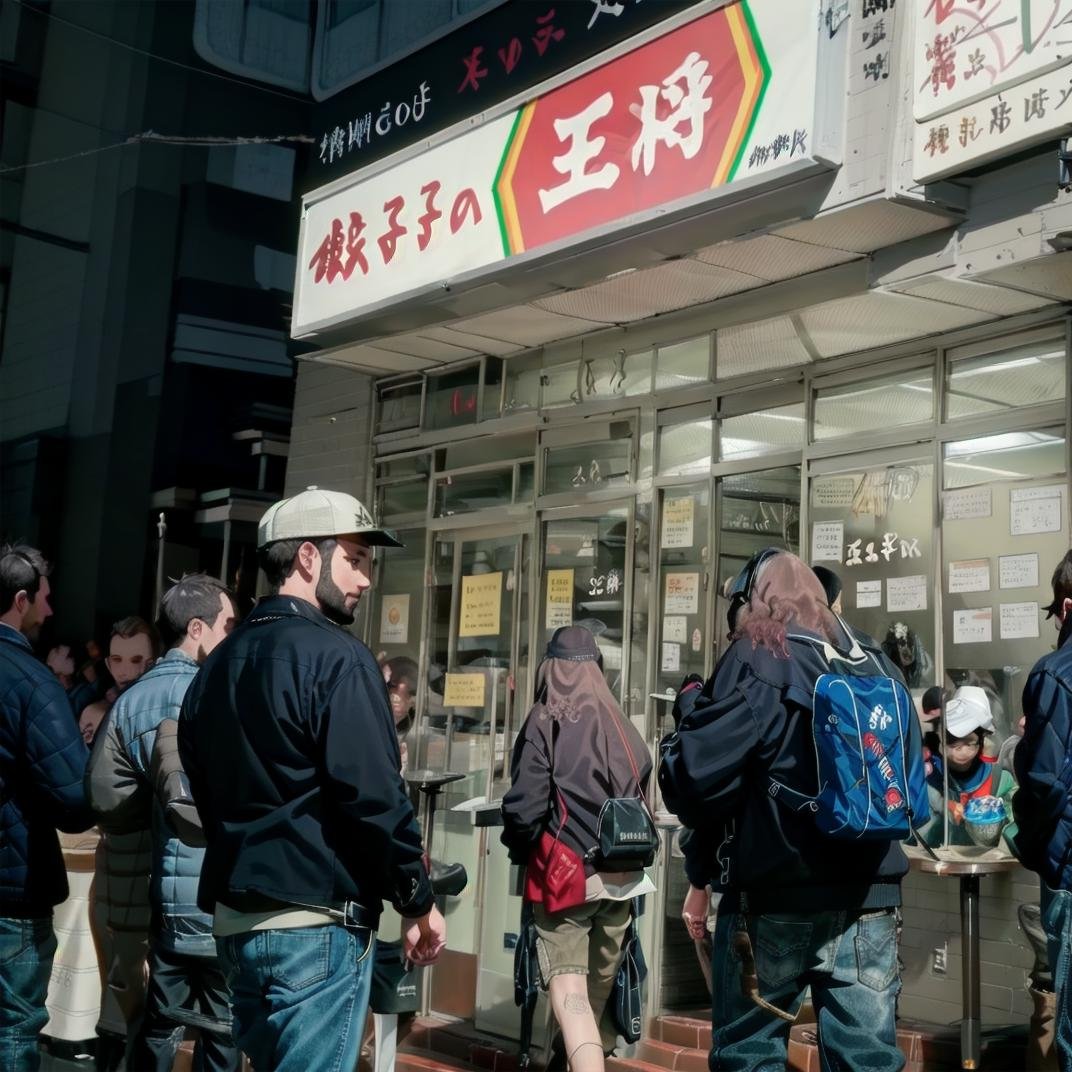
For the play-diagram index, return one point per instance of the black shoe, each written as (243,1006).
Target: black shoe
(448,880)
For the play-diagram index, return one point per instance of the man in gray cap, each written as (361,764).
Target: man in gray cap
(288,740)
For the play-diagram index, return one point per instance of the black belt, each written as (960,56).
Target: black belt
(351,914)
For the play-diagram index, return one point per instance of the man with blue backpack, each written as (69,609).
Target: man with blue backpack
(798,769)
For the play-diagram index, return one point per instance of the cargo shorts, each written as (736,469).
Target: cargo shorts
(584,940)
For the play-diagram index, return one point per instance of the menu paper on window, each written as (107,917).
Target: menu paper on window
(481,603)
(906,593)
(559,598)
(833,491)
(1030,516)
(678,517)
(394,619)
(1019,621)
(464,690)
(973,626)
(671,660)
(676,629)
(682,594)
(970,575)
(967,504)
(1018,571)
(827,541)
(868,594)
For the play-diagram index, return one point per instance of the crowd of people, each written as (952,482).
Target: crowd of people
(245,777)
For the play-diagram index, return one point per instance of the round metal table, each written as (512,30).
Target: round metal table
(967,864)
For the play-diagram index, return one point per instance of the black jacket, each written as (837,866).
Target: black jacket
(1043,765)
(42,764)
(753,719)
(288,741)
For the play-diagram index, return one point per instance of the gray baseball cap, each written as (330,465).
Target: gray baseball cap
(317,512)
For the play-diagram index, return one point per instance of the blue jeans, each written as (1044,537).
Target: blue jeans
(849,959)
(299,996)
(1057,922)
(27,947)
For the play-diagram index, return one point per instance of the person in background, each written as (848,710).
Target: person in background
(905,649)
(971,775)
(575,750)
(832,586)
(400,675)
(42,763)
(187,987)
(120,898)
(933,703)
(1043,802)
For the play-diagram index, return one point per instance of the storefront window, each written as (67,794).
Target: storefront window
(685,447)
(876,405)
(1030,373)
(873,527)
(452,398)
(779,428)
(461,493)
(400,405)
(410,497)
(755,510)
(584,582)
(591,466)
(683,364)
(684,562)
(1002,535)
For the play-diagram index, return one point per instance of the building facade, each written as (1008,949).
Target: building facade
(746,274)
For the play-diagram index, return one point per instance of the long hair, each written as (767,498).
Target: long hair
(786,592)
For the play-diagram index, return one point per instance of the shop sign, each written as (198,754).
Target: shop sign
(695,110)
(481,603)
(489,60)
(989,79)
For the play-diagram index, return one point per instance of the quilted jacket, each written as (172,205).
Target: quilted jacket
(119,788)
(42,760)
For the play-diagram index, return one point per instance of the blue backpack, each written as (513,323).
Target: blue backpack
(871,783)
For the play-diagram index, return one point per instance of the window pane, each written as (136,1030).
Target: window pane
(1022,376)
(874,530)
(559,385)
(410,498)
(400,406)
(781,428)
(1010,455)
(683,364)
(589,466)
(452,398)
(875,405)
(461,494)
(685,448)
(415,465)
(465,452)
(526,482)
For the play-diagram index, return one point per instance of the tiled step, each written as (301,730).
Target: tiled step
(688,1032)
(630,1064)
(676,1058)
(458,1045)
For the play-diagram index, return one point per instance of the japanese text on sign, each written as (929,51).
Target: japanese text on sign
(682,595)
(481,603)
(464,690)
(678,522)
(973,626)
(559,598)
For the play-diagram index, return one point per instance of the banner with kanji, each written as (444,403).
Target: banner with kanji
(719,100)
(989,79)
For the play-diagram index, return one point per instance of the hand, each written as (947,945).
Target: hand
(694,912)
(957,811)
(424,938)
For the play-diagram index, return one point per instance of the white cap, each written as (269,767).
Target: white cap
(315,513)
(968,711)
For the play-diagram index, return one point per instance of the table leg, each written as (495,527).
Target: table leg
(970,1025)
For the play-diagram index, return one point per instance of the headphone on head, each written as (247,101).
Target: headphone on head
(740,591)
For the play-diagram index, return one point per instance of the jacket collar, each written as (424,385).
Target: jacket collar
(287,607)
(177,657)
(10,633)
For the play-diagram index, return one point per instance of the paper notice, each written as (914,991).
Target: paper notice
(868,594)
(1029,516)
(677,522)
(481,603)
(1019,621)
(827,540)
(464,690)
(676,629)
(1048,491)
(559,598)
(671,660)
(971,575)
(1018,571)
(833,491)
(964,504)
(973,626)
(682,595)
(906,593)
(394,620)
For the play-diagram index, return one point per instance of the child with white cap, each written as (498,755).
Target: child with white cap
(971,773)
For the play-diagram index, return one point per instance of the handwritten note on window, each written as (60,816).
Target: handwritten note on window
(966,504)
(1030,516)
(868,594)
(827,540)
(1019,621)
(971,575)
(973,626)
(464,690)
(559,598)
(678,522)
(481,603)
(906,593)
(1018,571)
(682,595)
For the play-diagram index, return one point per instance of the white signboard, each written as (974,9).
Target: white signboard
(966,504)
(1018,571)
(678,522)
(868,594)
(827,541)
(1030,516)
(1019,621)
(988,79)
(682,595)
(906,593)
(973,626)
(971,575)
(671,660)
(676,629)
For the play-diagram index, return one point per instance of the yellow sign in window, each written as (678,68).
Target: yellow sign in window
(481,604)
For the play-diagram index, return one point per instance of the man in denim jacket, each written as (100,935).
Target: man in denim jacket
(187,986)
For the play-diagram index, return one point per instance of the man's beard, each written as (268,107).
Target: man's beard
(331,598)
